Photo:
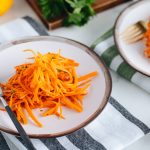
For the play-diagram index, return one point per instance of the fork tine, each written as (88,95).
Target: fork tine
(131,32)
(132,35)
(129,29)
(134,32)
(135,39)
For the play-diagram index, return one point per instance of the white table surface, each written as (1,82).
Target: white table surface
(132,97)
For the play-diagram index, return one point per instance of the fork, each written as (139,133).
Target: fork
(135,32)
(18,126)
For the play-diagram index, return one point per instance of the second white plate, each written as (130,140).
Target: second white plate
(133,53)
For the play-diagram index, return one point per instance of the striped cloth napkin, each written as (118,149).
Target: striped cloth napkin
(114,129)
(106,49)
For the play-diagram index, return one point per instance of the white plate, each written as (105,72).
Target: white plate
(133,53)
(12,54)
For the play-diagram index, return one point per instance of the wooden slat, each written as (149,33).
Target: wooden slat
(98,6)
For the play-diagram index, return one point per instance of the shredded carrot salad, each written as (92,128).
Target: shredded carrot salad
(147,43)
(49,82)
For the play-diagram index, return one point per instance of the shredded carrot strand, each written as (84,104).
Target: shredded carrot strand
(87,76)
(50,82)
(147,42)
(2,109)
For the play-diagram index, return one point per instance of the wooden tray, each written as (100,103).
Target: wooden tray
(98,6)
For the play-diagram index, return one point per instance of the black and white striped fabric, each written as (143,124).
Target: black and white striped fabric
(114,129)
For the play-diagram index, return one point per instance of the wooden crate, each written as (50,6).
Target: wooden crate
(98,6)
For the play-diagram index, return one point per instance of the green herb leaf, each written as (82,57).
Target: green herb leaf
(77,12)
(51,9)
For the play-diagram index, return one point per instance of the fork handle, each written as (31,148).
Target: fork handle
(18,126)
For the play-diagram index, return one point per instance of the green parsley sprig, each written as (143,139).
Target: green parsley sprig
(76,12)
